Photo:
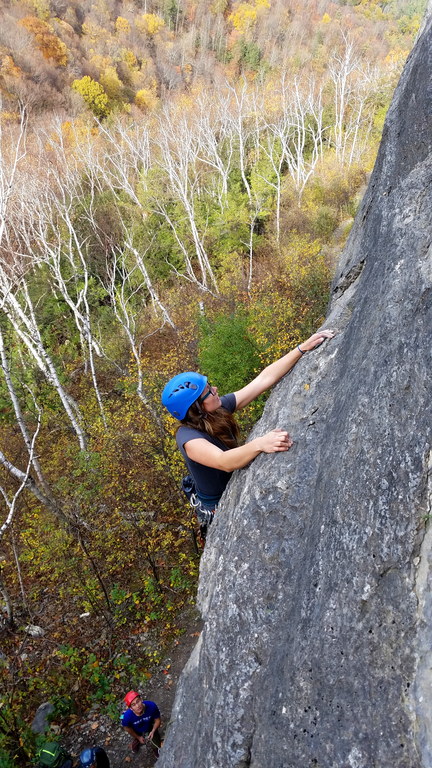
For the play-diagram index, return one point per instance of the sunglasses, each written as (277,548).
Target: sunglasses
(210,392)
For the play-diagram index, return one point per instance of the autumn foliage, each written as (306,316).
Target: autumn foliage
(176,187)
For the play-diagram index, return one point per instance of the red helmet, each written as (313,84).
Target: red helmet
(130,696)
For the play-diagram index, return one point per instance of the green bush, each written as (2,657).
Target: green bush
(227,353)
(249,54)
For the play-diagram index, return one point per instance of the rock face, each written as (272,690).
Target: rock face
(316,584)
(40,722)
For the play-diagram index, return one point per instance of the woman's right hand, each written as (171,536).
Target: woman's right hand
(315,340)
(274,441)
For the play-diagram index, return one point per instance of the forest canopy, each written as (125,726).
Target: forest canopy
(139,53)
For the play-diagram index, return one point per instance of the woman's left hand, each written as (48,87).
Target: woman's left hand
(316,339)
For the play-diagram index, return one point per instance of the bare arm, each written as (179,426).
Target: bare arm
(156,725)
(134,734)
(210,455)
(274,372)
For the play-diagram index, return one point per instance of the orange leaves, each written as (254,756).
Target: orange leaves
(9,68)
(49,44)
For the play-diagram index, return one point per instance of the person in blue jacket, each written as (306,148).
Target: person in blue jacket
(208,435)
(141,720)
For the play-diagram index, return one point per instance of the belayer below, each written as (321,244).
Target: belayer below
(141,720)
(208,435)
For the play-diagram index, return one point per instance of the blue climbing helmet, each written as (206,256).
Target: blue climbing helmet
(87,758)
(181,391)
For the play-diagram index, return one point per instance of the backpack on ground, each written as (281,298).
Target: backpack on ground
(52,755)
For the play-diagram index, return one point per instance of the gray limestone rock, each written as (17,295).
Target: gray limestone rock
(316,585)
(41,719)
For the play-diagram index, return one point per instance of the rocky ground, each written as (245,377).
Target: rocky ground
(99,729)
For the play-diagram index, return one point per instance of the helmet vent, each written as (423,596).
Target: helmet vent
(186,385)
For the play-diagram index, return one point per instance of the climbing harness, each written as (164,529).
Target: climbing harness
(204,516)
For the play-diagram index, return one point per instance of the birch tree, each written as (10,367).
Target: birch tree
(19,310)
(241,127)
(354,83)
(12,152)
(16,304)
(300,130)
(125,285)
(177,157)
(19,415)
(216,140)
(23,480)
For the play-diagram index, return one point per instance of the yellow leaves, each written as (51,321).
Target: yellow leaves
(284,309)
(94,32)
(299,253)
(111,82)
(100,62)
(395,59)
(93,94)
(74,132)
(42,8)
(149,24)
(243,18)
(129,58)
(370,9)
(122,25)
(245,15)
(326,19)
(146,99)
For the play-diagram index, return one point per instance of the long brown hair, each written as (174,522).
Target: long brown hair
(220,424)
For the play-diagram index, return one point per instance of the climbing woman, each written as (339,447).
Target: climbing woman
(208,435)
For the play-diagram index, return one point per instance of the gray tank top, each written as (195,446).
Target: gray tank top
(210,483)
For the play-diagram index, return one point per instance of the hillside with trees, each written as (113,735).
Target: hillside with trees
(176,182)
(128,56)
